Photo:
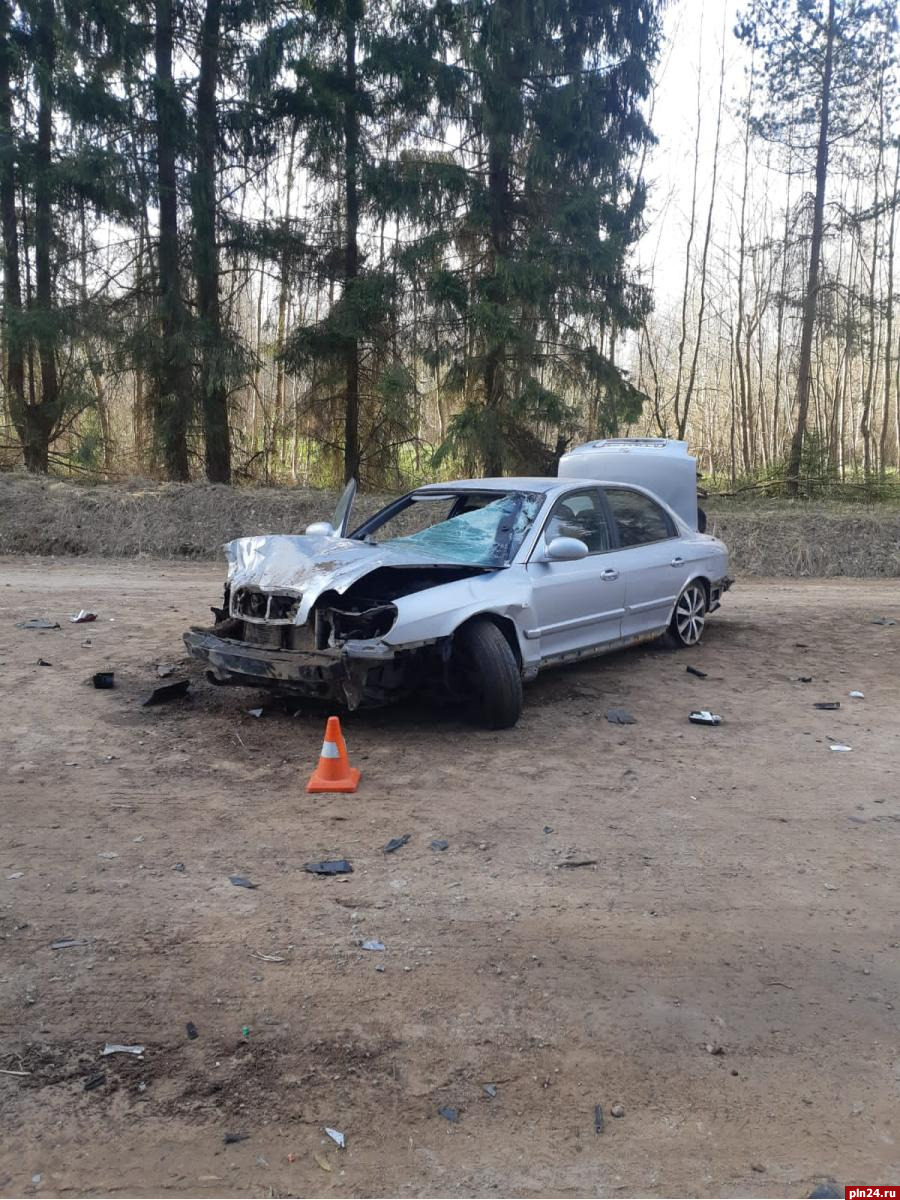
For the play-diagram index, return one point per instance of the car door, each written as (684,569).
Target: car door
(577,604)
(653,569)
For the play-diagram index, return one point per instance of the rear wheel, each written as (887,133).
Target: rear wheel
(486,675)
(689,617)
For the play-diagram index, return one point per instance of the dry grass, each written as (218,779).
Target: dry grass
(124,520)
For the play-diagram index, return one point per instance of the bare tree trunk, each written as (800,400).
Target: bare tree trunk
(682,419)
(889,317)
(284,265)
(810,300)
(172,399)
(12,288)
(213,376)
(351,247)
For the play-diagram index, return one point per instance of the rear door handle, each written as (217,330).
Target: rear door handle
(609,574)
(677,561)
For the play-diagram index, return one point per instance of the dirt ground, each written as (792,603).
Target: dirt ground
(727,971)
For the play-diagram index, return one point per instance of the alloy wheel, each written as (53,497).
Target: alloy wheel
(690,614)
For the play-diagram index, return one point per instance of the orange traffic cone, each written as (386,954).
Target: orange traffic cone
(334,773)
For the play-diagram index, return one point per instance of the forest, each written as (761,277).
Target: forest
(255,242)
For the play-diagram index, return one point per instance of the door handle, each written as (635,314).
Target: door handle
(677,561)
(609,574)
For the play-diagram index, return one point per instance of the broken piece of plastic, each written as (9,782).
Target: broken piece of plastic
(704,717)
(828,705)
(104,680)
(242,881)
(620,716)
(373,944)
(37,623)
(232,1138)
(337,866)
(695,671)
(119,1048)
(82,617)
(857,696)
(336,1136)
(841,748)
(449,1114)
(396,843)
(167,692)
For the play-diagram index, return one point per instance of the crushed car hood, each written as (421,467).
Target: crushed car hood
(311,565)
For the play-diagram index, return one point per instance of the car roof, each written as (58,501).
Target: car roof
(518,483)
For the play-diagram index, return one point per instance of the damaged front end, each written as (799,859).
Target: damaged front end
(320,636)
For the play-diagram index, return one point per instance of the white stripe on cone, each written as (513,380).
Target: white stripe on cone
(330,750)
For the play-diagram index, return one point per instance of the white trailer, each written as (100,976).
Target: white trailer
(661,464)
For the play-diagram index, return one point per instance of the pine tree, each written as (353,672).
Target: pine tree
(532,279)
(352,78)
(59,122)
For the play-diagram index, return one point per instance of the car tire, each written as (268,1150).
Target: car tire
(689,616)
(486,675)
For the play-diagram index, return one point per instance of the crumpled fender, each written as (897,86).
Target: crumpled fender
(439,611)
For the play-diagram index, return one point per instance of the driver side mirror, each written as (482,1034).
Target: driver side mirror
(566,549)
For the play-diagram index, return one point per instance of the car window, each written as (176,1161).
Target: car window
(639,519)
(486,529)
(580,515)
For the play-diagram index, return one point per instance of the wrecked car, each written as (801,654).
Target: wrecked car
(464,589)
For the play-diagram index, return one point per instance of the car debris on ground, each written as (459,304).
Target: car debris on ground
(396,842)
(120,1048)
(620,716)
(167,692)
(449,1114)
(336,1136)
(103,680)
(440,844)
(337,866)
(242,881)
(192,1031)
(232,1139)
(696,671)
(373,944)
(578,862)
(37,623)
(83,617)
(704,717)
(598,1118)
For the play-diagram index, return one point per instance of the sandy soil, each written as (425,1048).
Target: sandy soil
(728,971)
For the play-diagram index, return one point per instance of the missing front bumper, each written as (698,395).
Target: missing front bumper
(354,674)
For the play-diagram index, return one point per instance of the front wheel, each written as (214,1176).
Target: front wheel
(689,618)
(486,675)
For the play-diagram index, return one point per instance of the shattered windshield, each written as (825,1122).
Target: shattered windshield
(482,529)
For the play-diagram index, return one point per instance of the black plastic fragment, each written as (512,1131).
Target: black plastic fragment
(242,881)
(696,671)
(578,862)
(168,691)
(231,1138)
(104,680)
(396,843)
(192,1031)
(598,1119)
(338,866)
(620,716)
(440,844)
(827,705)
(42,662)
(37,623)
(94,1081)
(449,1114)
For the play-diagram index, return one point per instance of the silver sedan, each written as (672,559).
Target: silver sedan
(466,589)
